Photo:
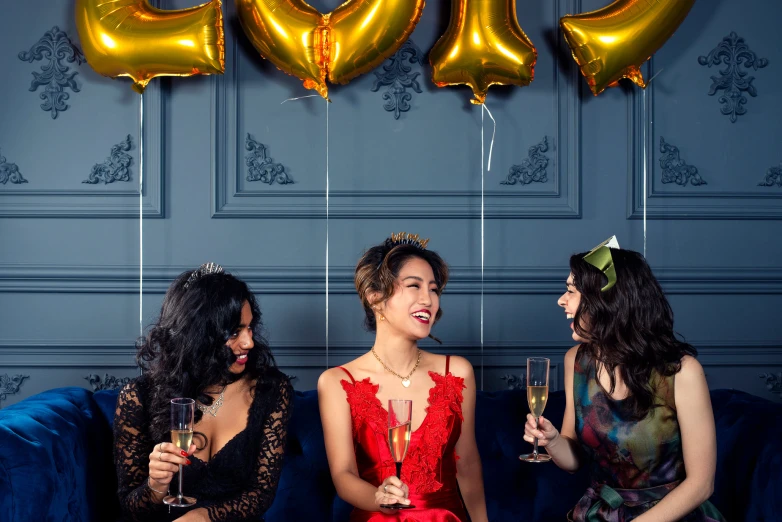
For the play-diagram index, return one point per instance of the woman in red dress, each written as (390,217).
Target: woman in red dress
(399,283)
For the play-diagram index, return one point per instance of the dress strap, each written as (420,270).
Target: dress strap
(346,371)
(447,363)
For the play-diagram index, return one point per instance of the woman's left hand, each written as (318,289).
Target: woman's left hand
(197,515)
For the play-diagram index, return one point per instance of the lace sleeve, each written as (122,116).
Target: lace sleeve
(132,446)
(257,498)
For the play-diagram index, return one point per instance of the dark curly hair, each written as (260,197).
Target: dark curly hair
(629,326)
(379,267)
(185,351)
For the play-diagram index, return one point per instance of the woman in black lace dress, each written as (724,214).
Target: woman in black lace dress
(206,346)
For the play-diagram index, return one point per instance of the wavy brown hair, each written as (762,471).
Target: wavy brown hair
(378,269)
(629,326)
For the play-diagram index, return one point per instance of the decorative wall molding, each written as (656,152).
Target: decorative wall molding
(57,48)
(675,169)
(733,52)
(773,176)
(261,167)
(773,382)
(108,382)
(673,203)
(115,168)
(10,172)
(307,360)
(398,75)
(532,169)
(9,385)
(91,202)
(286,280)
(231,198)
(515,382)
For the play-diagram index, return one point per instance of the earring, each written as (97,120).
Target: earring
(382,318)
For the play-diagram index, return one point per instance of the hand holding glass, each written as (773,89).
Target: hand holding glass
(537,396)
(182,413)
(400,417)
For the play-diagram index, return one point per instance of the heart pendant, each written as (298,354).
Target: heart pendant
(406,383)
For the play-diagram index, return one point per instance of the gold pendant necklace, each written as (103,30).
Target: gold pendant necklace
(405,380)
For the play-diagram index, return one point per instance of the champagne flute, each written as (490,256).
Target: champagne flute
(537,396)
(400,417)
(182,413)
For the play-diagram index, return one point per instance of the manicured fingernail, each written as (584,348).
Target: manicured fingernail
(187,461)
(183,453)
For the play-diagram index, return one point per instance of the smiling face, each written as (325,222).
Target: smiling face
(241,340)
(412,308)
(570,301)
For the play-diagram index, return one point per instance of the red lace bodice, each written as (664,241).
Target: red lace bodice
(429,469)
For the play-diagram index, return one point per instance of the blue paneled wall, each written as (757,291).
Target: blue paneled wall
(696,154)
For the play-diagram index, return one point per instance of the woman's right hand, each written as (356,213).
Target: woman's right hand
(164,461)
(544,431)
(391,491)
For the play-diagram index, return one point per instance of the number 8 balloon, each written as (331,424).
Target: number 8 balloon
(611,43)
(131,38)
(353,39)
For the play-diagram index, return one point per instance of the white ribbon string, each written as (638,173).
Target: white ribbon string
(327,234)
(644,168)
(327,213)
(141,217)
(483,214)
(300,98)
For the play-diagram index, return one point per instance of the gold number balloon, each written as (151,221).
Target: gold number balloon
(351,40)
(483,46)
(611,43)
(131,38)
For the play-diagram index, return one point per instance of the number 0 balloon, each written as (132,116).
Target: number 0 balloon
(611,43)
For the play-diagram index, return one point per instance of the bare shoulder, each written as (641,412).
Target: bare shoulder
(570,355)
(691,371)
(461,367)
(330,379)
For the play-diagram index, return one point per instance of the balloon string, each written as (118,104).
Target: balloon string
(327,234)
(645,146)
(485,109)
(327,213)
(482,177)
(141,217)
(301,98)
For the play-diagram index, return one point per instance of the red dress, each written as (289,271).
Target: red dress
(429,468)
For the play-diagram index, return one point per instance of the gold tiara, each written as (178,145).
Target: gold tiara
(405,238)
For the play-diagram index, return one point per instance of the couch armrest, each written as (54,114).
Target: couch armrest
(55,459)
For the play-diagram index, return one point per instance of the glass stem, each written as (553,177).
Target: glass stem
(180,481)
(535,451)
(398,470)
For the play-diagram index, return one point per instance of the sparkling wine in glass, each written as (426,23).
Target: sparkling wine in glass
(182,413)
(537,396)
(400,417)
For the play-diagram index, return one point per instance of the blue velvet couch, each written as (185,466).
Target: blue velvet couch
(55,461)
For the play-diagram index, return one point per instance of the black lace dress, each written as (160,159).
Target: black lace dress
(240,480)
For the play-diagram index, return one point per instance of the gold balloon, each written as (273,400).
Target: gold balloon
(483,46)
(611,43)
(351,40)
(131,38)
